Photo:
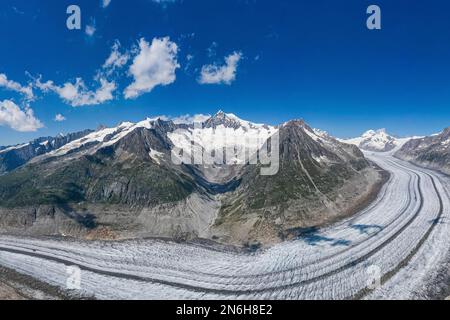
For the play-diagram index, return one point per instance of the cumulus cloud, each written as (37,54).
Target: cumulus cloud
(26,91)
(154,65)
(59,118)
(221,74)
(13,116)
(188,119)
(77,94)
(106,3)
(116,59)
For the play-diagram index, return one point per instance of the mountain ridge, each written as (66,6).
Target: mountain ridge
(123,180)
(431,152)
(15,156)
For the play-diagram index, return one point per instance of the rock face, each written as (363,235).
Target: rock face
(431,152)
(16,156)
(123,182)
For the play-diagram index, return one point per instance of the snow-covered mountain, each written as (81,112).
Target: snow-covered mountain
(230,120)
(223,131)
(124,179)
(103,137)
(377,140)
(13,157)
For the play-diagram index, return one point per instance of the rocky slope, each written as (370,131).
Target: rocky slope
(431,152)
(319,180)
(122,182)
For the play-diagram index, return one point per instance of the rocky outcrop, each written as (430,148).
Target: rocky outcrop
(431,152)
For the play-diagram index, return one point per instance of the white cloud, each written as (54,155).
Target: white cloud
(106,3)
(154,65)
(27,91)
(164,1)
(90,30)
(20,120)
(77,94)
(225,74)
(212,50)
(116,59)
(188,119)
(60,118)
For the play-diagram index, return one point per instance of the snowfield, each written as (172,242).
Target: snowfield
(403,235)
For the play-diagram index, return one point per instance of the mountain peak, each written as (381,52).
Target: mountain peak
(371,133)
(230,120)
(295,122)
(375,140)
(223,115)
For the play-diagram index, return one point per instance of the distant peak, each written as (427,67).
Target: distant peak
(371,133)
(230,120)
(101,127)
(158,118)
(223,115)
(295,122)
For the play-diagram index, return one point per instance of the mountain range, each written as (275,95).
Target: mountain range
(122,182)
(15,156)
(430,152)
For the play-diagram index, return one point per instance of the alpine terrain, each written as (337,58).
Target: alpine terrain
(122,182)
(329,218)
(13,157)
(431,152)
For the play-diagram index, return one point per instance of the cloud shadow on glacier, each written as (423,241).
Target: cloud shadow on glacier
(368,229)
(313,237)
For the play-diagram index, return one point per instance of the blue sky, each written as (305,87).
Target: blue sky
(266,61)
